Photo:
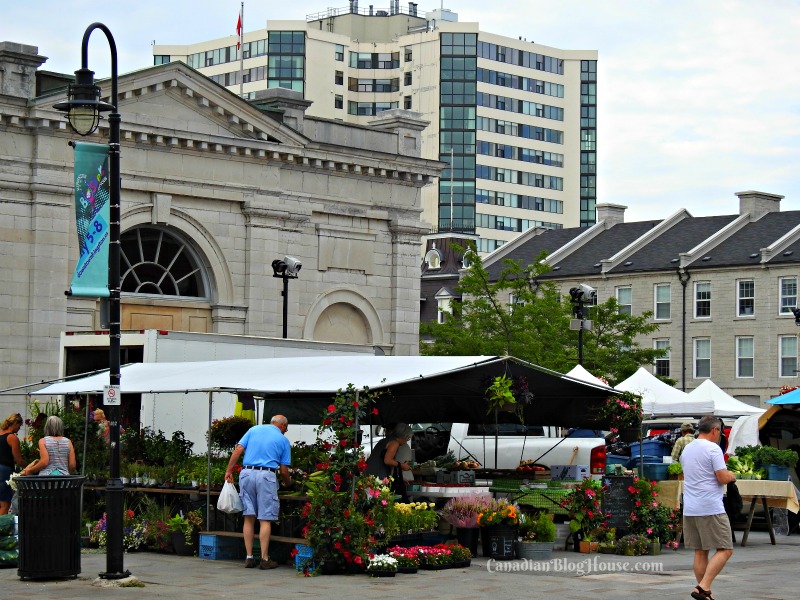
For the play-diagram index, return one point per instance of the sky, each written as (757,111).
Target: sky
(697,99)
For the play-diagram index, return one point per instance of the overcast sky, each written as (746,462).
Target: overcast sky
(697,99)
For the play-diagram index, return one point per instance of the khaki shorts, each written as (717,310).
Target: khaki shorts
(707,533)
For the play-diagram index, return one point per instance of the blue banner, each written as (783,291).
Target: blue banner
(92,197)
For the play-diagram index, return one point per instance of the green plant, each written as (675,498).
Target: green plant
(769,455)
(499,395)
(538,528)
(414,517)
(584,505)
(186,524)
(225,433)
(650,517)
(675,468)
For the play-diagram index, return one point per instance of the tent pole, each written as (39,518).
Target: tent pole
(208,464)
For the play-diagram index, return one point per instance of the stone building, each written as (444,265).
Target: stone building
(722,288)
(214,188)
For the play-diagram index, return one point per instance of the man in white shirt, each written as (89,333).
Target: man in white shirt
(705,524)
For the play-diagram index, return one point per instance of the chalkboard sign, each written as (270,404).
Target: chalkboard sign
(618,500)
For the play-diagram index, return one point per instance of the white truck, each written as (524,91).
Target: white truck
(517,445)
(87,351)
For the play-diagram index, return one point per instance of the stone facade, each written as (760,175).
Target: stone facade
(239,184)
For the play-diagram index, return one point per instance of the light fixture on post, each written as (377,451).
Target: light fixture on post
(286,269)
(580,296)
(83,108)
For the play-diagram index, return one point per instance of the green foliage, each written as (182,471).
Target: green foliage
(765,455)
(537,528)
(536,327)
(674,468)
(225,433)
(584,505)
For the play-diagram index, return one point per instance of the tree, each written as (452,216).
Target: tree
(521,316)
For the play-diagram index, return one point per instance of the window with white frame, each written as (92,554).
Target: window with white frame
(663,301)
(745,298)
(744,356)
(662,363)
(445,306)
(788,294)
(787,346)
(702,358)
(702,299)
(624,299)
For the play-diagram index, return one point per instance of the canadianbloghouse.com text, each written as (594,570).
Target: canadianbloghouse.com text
(577,567)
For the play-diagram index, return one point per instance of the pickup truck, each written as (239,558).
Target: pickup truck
(516,443)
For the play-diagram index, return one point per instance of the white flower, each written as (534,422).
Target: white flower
(382,562)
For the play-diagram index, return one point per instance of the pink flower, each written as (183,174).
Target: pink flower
(384,503)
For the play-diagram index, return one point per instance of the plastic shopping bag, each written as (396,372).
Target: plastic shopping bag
(229,500)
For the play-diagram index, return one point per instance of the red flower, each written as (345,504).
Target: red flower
(374,411)
(331,408)
(343,443)
(355,403)
(357,560)
(337,545)
(327,421)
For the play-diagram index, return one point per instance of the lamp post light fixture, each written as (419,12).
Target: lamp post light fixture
(83,108)
(286,269)
(580,296)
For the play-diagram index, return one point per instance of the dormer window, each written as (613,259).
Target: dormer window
(434,259)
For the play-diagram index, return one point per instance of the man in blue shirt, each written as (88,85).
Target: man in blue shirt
(267,453)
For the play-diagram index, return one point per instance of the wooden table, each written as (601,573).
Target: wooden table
(772,494)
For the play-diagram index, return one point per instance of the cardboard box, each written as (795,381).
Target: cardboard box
(569,472)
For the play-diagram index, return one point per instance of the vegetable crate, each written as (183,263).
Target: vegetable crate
(302,558)
(220,547)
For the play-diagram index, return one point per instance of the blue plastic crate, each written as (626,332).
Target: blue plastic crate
(302,559)
(655,448)
(220,547)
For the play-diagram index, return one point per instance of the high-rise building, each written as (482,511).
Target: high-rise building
(515,121)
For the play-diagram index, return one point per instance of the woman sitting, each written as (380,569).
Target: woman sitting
(56,454)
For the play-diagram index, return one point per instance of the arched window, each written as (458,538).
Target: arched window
(155,262)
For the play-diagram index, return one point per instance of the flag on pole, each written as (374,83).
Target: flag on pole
(239,31)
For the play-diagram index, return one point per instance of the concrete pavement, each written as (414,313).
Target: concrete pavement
(758,571)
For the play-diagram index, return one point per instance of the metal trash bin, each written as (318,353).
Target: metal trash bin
(49,526)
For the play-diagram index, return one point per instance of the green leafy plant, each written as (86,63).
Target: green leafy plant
(225,433)
(675,468)
(537,528)
(499,395)
(632,544)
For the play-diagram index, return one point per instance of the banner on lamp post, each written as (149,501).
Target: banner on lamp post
(92,196)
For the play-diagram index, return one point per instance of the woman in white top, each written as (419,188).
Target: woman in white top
(56,454)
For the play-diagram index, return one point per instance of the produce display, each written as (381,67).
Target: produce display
(528,466)
(745,468)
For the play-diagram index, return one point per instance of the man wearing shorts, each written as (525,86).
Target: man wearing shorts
(267,453)
(705,524)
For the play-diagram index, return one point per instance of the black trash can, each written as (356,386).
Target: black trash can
(49,526)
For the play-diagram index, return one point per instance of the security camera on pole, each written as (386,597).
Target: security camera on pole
(580,296)
(286,269)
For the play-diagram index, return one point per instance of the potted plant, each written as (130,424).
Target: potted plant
(623,415)
(182,531)
(651,518)
(407,559)
(776,462)
(499,529)
(382,565)
(675,470)
(607,540)
(462,557)
(537,536)
(434,558)
(632,544)
(584,506)
(462,513)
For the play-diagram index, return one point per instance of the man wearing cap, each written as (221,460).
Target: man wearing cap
(687,436)
(267,453)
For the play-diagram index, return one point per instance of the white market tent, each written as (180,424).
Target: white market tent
(662,400)
(725,405)
(578,372)
(421,388)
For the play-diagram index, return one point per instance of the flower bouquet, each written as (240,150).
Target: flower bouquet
(499,512)
(382,565)
(463,511)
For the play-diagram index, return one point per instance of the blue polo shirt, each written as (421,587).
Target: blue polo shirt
(266,446)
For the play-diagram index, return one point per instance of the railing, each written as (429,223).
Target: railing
(367,12)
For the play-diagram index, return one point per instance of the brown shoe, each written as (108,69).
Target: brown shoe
(249,563)
(268,564)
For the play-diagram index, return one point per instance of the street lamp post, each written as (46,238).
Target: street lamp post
(286,269)
(84,107)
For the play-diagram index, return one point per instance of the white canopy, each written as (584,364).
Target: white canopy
(578,372)
(725,405)
(280,375)
(662,400)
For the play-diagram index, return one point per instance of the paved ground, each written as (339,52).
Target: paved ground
(759,571)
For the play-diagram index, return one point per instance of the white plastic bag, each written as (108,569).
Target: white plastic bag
(229,500)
